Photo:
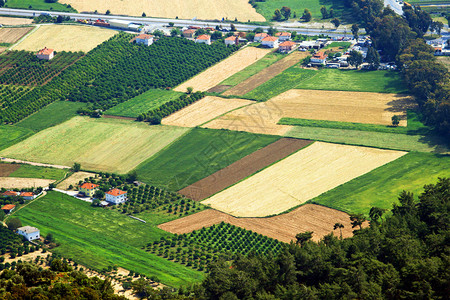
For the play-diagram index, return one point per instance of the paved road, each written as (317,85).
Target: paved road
(177,22)
(394,5)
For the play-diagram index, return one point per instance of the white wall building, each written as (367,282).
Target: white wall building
(146,39)
(116,196)
(30,233)
(46,54)
(270,42)
(203,39)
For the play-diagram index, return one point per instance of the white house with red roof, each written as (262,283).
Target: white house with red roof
(88,189)
(10,194)
(270,42)
(283,36)
(27,195)
(203,39)
(259,36)
(8,208)
(286,46)
(146,39)
(319,58)
(45,53)
(189,33)
(232,40)
(116,196)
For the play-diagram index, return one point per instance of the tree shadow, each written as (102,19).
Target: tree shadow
(341,12)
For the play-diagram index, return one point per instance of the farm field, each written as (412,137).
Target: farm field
(299,178)
(6,169)
(445,60)
(380,186)
(15,21)
(20,183)
(395,141)
(30,171)
(199,154)
(12,35)
(10,135)
(224,69)
(266,74)
(203,111)
(74,179)
(149,100)
(97,144)
(98,238)
(242,168)
(308,217)
(38,4)
(188,9)
(51,115)
(65,38)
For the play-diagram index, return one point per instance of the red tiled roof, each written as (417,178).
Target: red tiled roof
(270,39)
(230,38)
(116,192)
(189,31)
(26,194)
(144,36)
(283,34)
(8,207)
(9,193)
(320,55)
(88,186)
(45,51)
(287,44)
(262,34)
(203,37)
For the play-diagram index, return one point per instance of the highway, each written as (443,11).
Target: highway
(395,6)
(177,22)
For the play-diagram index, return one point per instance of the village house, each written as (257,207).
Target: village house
(203,39)
(286,46)
(283,36)
(189,33)
(8,208)
(45,53)
(116,196)
(10,194)
(259,36)
(270,42)
(146,39)
(27,195)
(232,40)
(319,59)
(30,233)
(88,189)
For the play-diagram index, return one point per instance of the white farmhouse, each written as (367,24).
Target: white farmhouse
(270,42)
(283,36)
(45,53)
(116,196)
(203,39)
(259,36)
(30,233)
(146,39)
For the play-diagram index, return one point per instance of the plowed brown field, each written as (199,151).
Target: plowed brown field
(309,217)
(12,35)
(203,111)
(6,169)
(265,75)
(243,168)
(224,69)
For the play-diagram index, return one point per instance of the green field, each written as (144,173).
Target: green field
(98,238)
(329,79)
(380,186)
(149,100)
(343,45)
(197,155)
(254,68)
(51,115)
(29,171)
(38,4)
(10,135)
(108,145)
(395,141)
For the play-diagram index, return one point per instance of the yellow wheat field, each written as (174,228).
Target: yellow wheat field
(221,71)
(74,179)
(299,178)
(65,38)
(15,21)
(23,183)
(183,9)
(204,110)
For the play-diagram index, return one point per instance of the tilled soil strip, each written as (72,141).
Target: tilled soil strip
(243,168)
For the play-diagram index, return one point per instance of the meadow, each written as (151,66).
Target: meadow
(379,187)
(29,171)
(51,115)
(97,144)
(38,4)
(10,135)
(98,238)
(149,100)
(199,154)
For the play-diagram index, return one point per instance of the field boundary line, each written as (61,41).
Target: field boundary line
(227,112)
(36,27)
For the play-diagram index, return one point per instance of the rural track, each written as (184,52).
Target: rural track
(18,161)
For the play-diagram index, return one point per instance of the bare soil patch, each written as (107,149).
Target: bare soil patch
(203,111)
(243,168)
(15,21)
(309,217)
(74,179)
(6,169)
(265,75)
(218,88)
(12,35)
(298,178)
(224,69)
(21,183)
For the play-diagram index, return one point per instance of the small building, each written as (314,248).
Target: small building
(10,194)
(8,208)
(283,36)
(146,39)
(116,196)
(88,189)
(203,39)
(307,45)
(270,42)
(45,53)
(259,36)
(286,46)
(319,58)
(232,40)
(27,195)
(30,233)
(189,33)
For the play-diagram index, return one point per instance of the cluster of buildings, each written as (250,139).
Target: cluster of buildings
(113,196)
(441,47)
